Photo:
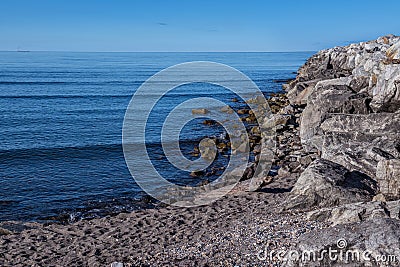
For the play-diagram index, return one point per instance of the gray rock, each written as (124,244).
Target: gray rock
(387,88)
(393,52)
(306,160)
(388,176)
(361,244)
(325,98)
(277,119)
(326,184)
(359,142)
(299,93)
(356,212)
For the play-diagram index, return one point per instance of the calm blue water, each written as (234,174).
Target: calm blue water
(61,118)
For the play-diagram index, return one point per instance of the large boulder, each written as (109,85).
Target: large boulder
(359,142)
(333,96)
(351,101)
(326,184)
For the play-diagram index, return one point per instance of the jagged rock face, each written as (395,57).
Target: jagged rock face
(378,237)
(326,184)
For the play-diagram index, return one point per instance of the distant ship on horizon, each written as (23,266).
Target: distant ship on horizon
(22,50)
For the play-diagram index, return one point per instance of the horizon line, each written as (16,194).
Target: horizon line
(78,51)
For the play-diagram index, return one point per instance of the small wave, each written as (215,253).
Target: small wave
(99,83)
(32,83)
(61,96)
(54,152)
(172,94)
(7,202)
(98,209)
(72,152)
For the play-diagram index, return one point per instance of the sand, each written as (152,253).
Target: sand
(230,232)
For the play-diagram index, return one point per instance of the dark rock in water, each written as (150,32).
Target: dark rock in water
(326,184)
(283,80)
(209,122)
(248,172)
(204,182)
(197,173)
(356,244)
(243,111)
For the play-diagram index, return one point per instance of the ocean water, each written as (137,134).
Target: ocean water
(61,118)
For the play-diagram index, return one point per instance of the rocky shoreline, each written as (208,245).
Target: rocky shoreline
(335,185)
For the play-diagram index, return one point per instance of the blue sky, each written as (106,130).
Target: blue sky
(171,25)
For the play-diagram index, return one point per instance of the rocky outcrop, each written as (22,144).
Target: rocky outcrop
(351,117)
(351,100)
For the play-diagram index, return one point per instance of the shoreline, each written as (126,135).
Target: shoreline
(337,185)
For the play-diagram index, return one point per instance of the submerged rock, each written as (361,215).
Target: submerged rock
(200,111)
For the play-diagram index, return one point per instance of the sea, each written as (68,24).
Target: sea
(61,118)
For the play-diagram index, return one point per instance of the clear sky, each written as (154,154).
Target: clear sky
(202,25)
